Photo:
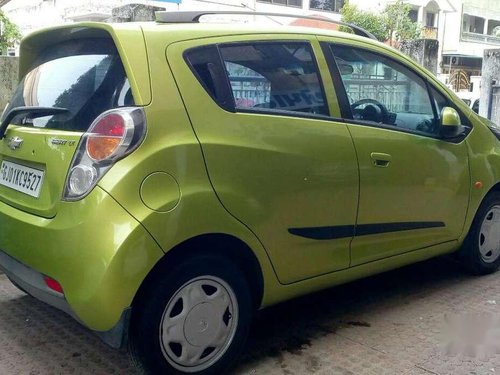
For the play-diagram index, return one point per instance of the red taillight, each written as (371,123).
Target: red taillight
(106,136)
(112,135)
(53,284)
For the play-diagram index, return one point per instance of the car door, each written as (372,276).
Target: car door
(414,185)
(277,159)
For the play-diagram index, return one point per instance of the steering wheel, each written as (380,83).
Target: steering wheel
(373,111)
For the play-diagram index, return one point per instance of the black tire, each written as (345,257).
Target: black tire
(474,252)
(166,302)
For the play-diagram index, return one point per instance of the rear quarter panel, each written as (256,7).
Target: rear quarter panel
(170,146)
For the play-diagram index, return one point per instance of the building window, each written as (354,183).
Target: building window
(473,24)
(413,15)
(430,19)
(290,3)
(329,5)
(494,28)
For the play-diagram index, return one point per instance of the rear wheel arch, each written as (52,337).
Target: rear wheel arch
(495,187)
(217,244)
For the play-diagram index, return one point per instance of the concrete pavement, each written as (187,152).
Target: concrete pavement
(395,323)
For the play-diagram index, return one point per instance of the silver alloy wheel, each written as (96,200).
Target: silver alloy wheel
(489,235)
(198,324)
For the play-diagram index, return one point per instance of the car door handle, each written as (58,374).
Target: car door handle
(380,159)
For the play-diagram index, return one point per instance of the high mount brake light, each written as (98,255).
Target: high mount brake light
(112,136)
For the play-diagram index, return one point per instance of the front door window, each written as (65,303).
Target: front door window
(384,92)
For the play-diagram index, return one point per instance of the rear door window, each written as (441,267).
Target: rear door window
(86,77)
(250,89)
(261,77)
(205,63)
(274,76)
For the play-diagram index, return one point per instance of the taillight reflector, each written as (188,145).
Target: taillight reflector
(53,284)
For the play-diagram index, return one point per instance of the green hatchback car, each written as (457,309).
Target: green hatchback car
(161,181)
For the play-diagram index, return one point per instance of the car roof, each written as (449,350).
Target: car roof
(208,29)
(299,20)
(198,30)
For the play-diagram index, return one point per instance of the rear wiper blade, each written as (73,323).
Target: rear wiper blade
(33,112)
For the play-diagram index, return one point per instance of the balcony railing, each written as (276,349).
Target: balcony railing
(480,38)
(429,32)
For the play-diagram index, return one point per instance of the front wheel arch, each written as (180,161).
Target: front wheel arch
(470,253)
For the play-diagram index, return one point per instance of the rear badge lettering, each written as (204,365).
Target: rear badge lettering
(62,142)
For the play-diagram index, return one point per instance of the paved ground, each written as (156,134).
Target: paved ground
(394,323)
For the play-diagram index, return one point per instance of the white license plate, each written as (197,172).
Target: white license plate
(21,178)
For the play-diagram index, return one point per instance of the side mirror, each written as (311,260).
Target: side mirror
(345,69)
(451,125)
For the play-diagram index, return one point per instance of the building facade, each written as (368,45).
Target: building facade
(32,15)
(464,28)
(469,31)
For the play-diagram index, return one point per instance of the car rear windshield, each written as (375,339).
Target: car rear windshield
(86,77)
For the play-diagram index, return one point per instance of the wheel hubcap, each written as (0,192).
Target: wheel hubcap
(202,325)
(489,236)
(198,324)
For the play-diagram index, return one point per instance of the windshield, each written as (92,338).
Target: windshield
(86,77)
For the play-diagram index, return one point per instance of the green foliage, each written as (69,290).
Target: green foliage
(369,21)
(10,35)
(399,25)
(392,24)
(496,32)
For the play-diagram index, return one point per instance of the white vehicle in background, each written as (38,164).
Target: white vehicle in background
(470,98)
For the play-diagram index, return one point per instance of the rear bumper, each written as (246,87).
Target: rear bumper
(32,282)
(95,249)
